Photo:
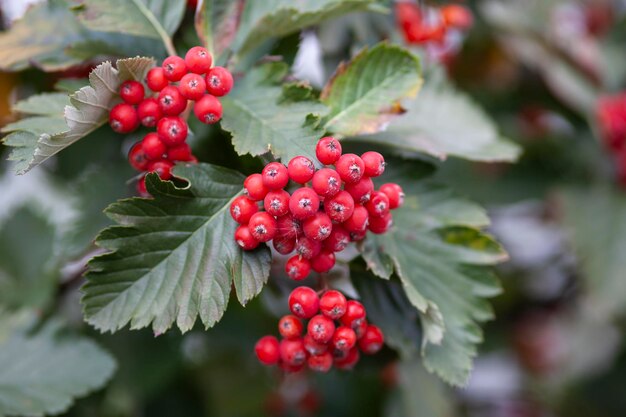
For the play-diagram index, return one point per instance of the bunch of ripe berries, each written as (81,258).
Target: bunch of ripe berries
(331,207)
(336,331)
(172,86)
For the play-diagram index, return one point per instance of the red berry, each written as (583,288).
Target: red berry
(344,338)
(262,226)
(171,101)
(297,268)
(284,245)
(354,312)
(340,207)
(174,68)
(394,193)
(137,158)
(141,187)
(358,236)
(374,163)
(172,130)
(288,227)
(208,109)
(308,248)
(301,169)
(290,327)
(180,152)
(244,238)
(318,226)
(123,118)
(359,327)
(338,239)
(328,150)
(156,79)
(292,352)
(162,168)
(153,147)
(320,363)
(304,302)
(149,112)
(219,81)
(198,60)
(267,350)
(192,87)
(326,182)
(455,15)
(361,190)
(350,168)
(132,92)
(276,202)
(242,208)
(372,341)
(304,203)
(254,188)
(348,361)
(358,221)
(313,347)
(321,328)
(275,176)
(333,304)
(380,225)
(378,205)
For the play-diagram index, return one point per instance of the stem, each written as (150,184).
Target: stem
(167,41)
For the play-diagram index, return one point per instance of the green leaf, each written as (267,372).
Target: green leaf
(216,23)
(261,120)
(444,122)
(173,257)
(364,94)
(264,20)
(42,372)
(38,138)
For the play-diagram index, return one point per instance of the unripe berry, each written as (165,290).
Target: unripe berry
(132,92)
(348,361)
(292,352)
(254,188)
(304,203)
(276,202)
(275,176)
(372,341)
(326,182)
(378,205)
(320,363)
(162,168)
(192,86)
(290,327)
(244,238)
(123,118)
(288,226)
(321,328)
(297,268)
(172,130)
(339,207)
(344,338)
(359,220)
(394,193)
(374,163)
(153,147)
(208,109)
(308,248)
(350,168)
(354,312)
(284,245)
(198,60)
(242,208)
(313,347)
(301,169)
(219,81)
(174,68)
(328,150)
(338,240)
(318,226)
(180,152)
(156,79)
(361,190)
(304,302)
(137,158)
(149,112)
(380,225)
(267,350)
(171,101)
(262,226)
(333,304)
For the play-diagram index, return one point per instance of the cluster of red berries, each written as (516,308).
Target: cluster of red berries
(611,116)
(336,331)
(318,220)
(171,86)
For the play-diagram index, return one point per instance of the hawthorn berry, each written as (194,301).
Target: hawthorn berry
(344,338)
(304,203)
(318,226)
(163,168)
(262,226)
(394,193)
(361,190)
(358,221)
(174,68)
(208,109)
(308,248)
(333,304)
(149,112)
(132,92)
(276,202)
(292,351)
(338,239)
(156,79)
(340,207)
(372,341)
(374,163)
(219,81)
(378,204)
(321,328)
(304,302)
(123,118)
(354,313)
(289,227)
(180,152)
(350,168)
(290,327)
(198,60)
(242,208)
(326,182)
(137,157)
(153,147)
(192,86)
(320,363)
(275,176)
(284,245)
(301,169)
(328,150)
(381,224)
(244,238)
(297,268)
(172,130)
(348,361)
(171,101)
(254,188)
(313,347)
(267,350)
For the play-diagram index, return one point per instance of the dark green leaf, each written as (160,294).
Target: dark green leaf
(216,23)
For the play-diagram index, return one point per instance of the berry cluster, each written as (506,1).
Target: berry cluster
(319,219)
(172,86)
(336,331)
(611,116)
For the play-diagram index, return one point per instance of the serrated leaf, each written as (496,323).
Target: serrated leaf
(216,23)
(173,257)
(444,122)
(260,120)
(62,125)
(364,94)
(43,372)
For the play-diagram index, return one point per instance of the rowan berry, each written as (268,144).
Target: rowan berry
(174,68)
(219,81)
(361,190)
(304,203)
(149,112)
(323,262)
(242,208)
(292,352)
(290,327)
(348,361)
(344,338)
(328,150)
(359,327)
(321,328)
(254,188)
(304,302)
(380,225)
(374,163)
(132,92)
(244,238)
(180,152)
(350,168)
(275,176)
(301,169)
(326,182)
(208,109)
(308,248)
(156,79)
(378,204)
(394,193)
(313,347)
(172,130)
(297,268)
(284,245)
(359,220)
(358,236)
(171,101)
(267,350)
(289,227)
(372,341)
(198,60)
(333,304)
(141,187)
(153,147)
(162,168)
(354,312)
(276,202)
(137,157)
(192,86)
(262,226)
(123,118)
(338,239)
(318,226)
(320,363)
(339,207)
